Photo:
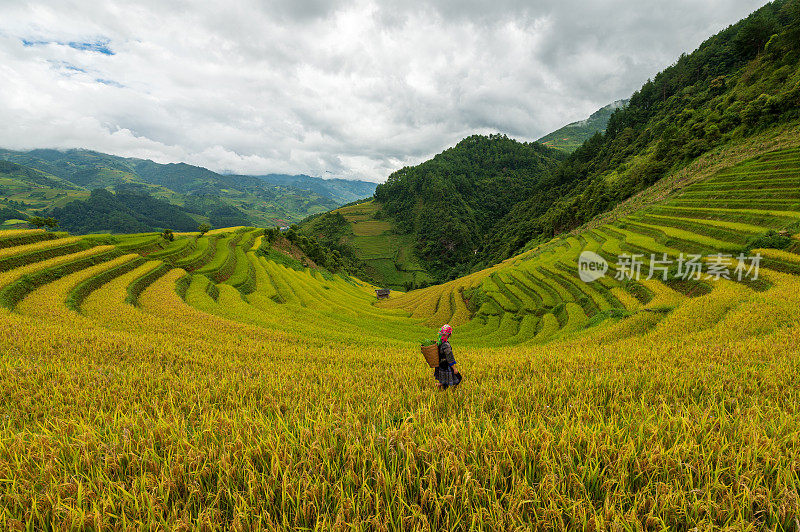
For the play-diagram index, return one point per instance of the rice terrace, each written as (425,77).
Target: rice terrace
(613,314)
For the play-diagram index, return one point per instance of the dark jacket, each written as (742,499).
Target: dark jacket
(446,355)
(444,372)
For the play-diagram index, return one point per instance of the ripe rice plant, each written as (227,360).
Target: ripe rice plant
(36,246)
(136,395)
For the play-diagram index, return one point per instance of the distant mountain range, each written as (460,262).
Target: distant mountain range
(340,190)
(38,181)
(46,181)
(569,137)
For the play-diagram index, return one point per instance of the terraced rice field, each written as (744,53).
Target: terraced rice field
(388,256)
(718,215)
(198,385)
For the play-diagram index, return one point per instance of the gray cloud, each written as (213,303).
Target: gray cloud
(350,89)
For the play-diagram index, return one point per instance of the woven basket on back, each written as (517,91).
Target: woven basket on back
(431,354)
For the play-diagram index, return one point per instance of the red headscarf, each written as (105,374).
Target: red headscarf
(445,332)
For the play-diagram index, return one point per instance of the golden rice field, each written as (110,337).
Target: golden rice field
(196,385)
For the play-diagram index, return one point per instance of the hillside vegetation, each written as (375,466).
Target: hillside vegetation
(571,136)
(448,203)
(39,181)
(220,385)
(538,295)
(736,85)
(363,232)
(123,212)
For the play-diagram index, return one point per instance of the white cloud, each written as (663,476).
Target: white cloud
(353,89)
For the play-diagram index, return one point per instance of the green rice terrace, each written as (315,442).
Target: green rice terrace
(538,296)
(534,297)
(388,254)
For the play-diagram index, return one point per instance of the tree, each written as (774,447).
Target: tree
(39,222)
(204,228)
(753,35)
(272,234)
(168,235)
(790,17)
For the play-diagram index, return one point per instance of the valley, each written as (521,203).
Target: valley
(43,181)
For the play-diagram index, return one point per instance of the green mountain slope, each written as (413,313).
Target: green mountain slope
(725,210)
(24,191)
(737,84)
(488,198)
(46,179)
(571,136)
(123,212)
(18,177)
(448,203)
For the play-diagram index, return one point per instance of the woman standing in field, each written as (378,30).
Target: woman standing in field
(447,373)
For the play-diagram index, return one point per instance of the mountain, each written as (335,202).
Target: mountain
(13,172)
(340,190)
(740,83)
(448,203)
(488,198)
(569,137)
(43,179)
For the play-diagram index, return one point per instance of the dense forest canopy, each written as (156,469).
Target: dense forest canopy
(450,201)
(123,212)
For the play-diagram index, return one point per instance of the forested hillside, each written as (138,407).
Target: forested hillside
(738,83)
(122,212)
(488,198)
(449,202)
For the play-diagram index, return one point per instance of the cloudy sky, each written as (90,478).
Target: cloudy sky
(347,89)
